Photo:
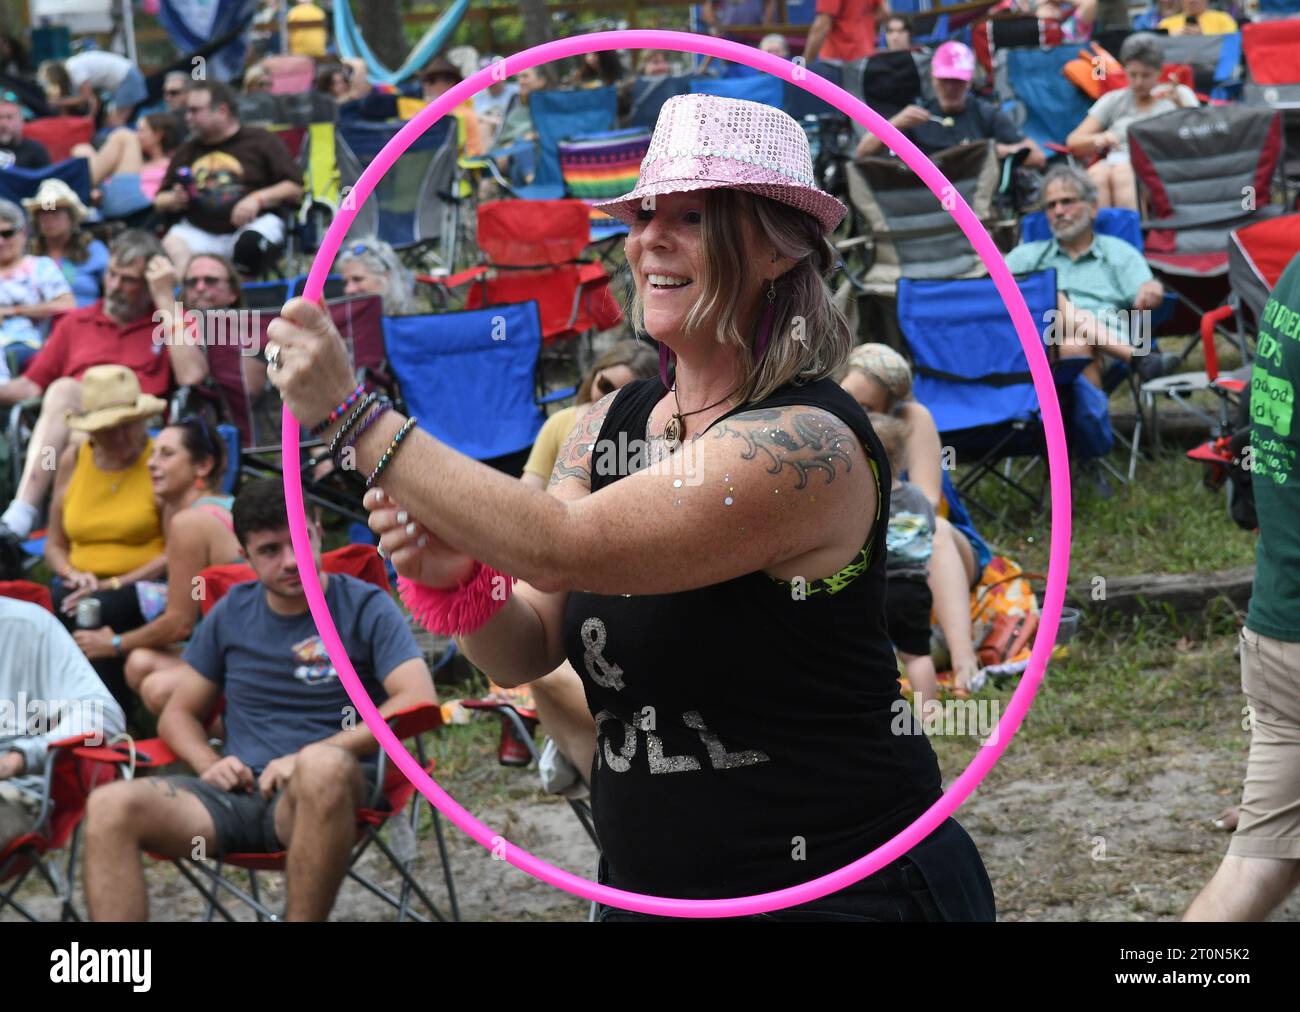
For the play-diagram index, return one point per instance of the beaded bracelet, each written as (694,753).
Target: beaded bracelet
(383,406)
(390,452)
(352,420)
(338,412)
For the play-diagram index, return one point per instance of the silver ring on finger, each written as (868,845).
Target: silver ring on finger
(380,550)
(273,356)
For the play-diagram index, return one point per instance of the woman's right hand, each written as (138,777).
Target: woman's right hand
(416,553)
(81,584)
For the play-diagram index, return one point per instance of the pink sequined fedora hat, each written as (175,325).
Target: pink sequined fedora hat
(705,142)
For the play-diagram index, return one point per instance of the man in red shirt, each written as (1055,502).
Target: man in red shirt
(118,330)
(843,30)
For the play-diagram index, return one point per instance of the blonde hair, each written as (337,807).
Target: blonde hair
(886,367)
(810,336)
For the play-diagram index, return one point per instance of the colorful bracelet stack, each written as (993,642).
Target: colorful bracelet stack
(357,412)
(391,452)
(340,411)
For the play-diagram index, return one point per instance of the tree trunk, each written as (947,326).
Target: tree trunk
(380,22)
(537,22)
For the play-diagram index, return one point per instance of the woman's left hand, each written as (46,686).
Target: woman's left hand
(311,367)
(96,644)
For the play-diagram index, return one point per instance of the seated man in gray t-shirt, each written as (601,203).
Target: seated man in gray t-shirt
(297,764)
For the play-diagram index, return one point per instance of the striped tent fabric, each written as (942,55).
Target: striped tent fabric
(603,165)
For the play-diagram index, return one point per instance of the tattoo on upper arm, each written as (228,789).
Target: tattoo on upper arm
(574,460)
(802,438)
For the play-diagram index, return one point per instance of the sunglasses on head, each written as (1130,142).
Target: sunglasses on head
(200,425)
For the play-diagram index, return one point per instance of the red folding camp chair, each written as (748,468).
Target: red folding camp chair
(67,783)
(238,392)
(1257,256)
(60,134)
(394,796)
(533,251)
(1204,172)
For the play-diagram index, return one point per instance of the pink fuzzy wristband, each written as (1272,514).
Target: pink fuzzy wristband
(461,610)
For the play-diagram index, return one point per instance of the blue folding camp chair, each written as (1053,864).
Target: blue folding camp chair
(21,184)
(414,204)
(1033,90)
(763,88)
(971,373)
(471,378)
(561,114)
(649,95)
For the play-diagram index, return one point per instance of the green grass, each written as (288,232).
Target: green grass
(1125,691)
(1166,521)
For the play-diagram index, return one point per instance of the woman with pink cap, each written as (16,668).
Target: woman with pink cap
(955,116)
(709,555)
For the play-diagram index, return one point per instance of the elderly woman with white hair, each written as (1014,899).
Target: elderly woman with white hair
(32,289)
(370,267)
(709,554)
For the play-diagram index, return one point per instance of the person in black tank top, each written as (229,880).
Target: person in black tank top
(709,555)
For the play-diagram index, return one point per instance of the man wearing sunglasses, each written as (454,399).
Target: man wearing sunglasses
(118,330)
(16,151)
(1100,280)
(211,284)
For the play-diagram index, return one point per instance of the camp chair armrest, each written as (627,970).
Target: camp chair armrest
(184,397)
(377,376)
(557,395)
(415,720)
(1208,323)
(150,753)
(47,774)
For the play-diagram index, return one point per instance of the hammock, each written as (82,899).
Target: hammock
(193,27)
(351,45)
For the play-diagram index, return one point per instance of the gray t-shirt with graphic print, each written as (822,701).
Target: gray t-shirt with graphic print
(282,692)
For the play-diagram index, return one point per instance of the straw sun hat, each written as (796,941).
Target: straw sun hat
(110,395)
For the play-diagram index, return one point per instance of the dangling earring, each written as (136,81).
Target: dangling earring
(765,328)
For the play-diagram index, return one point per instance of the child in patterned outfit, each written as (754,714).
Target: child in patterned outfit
(909,541)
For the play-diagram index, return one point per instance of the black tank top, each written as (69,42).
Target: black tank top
(746,731)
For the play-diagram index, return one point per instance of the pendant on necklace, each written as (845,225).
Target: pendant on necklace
(673,433)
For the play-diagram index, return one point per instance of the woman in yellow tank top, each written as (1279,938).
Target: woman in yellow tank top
(105,532)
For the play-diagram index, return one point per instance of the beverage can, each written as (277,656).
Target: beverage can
(88,613)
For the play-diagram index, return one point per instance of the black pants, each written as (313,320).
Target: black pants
(120,611)
(940,879)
